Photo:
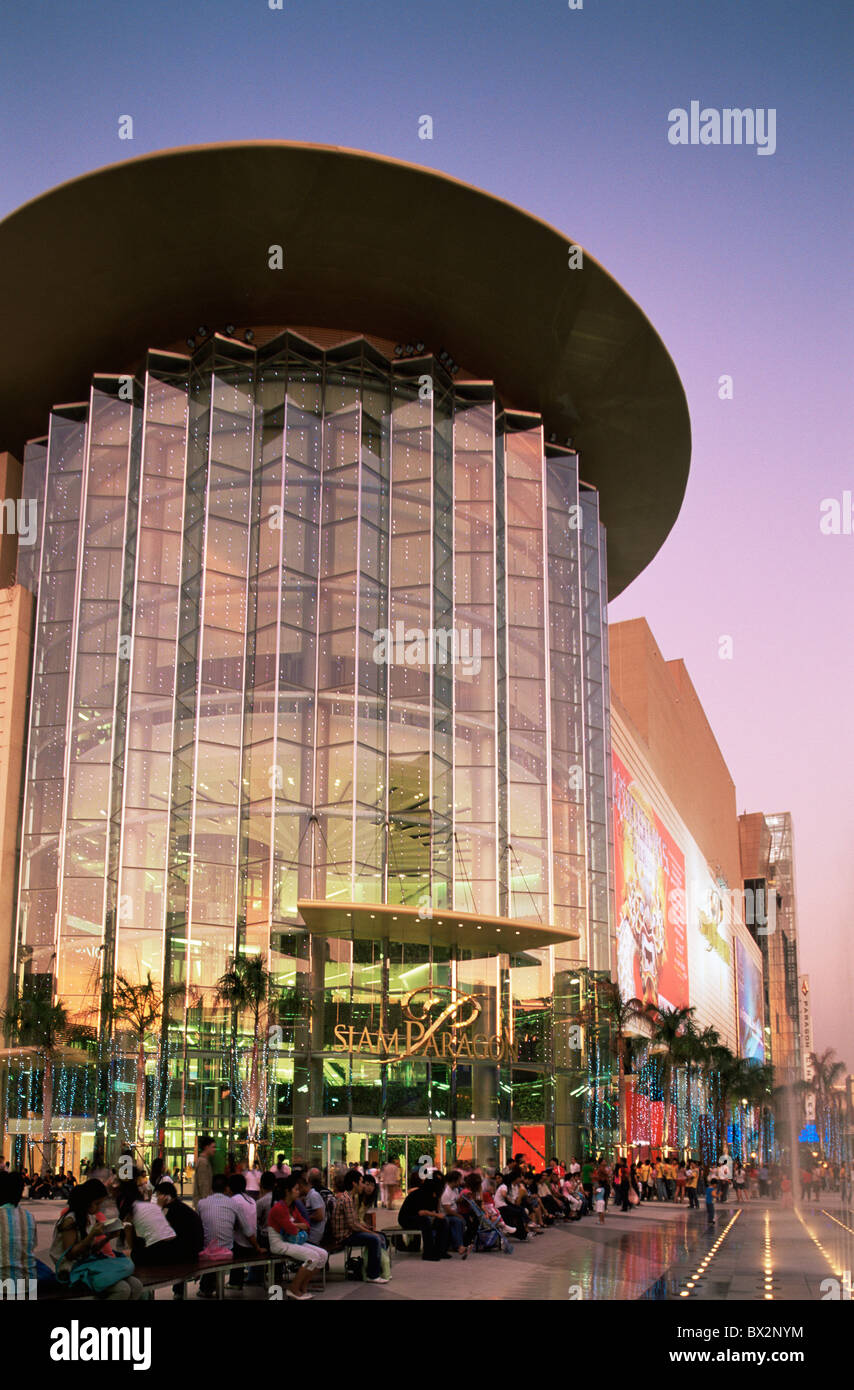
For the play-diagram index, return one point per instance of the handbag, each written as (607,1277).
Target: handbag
(98,1274)
(633,1197)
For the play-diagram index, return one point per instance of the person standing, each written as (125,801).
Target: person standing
(691,1178)
(389,1182)
(681,1182)
(603,1177)
(670,1179)
(599,1200)
(710,1199)
(587,1180)
(253,1180)
(203,1172)
(661,1181)
(643,1177)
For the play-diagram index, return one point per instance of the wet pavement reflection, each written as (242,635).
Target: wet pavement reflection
(767,1253)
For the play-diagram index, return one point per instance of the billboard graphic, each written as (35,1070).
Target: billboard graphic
(652,957)
(751,1037)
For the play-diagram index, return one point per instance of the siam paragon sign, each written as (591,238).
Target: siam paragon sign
(438,1023)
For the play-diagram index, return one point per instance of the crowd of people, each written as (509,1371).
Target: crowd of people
(118,1222)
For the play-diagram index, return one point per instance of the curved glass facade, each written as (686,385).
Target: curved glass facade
(319,626)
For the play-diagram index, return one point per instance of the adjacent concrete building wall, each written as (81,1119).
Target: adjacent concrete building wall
(664,707)
(661,734)
(767,856)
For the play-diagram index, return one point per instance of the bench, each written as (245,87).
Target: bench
(391,1231)
(153,1277)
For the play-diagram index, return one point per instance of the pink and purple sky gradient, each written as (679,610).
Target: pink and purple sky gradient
(741,261)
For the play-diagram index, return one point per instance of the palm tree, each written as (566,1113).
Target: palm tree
(694,1048)
(41,1027)
(723,1070)
(247,987)
(739,1086)
(826,1071)
(760,1080)
(669,1027)
(622,1014)
(784,1102)
(141,1006)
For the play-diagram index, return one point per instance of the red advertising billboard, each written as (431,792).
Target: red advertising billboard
(652,952)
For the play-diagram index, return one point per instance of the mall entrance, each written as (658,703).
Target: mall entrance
(410,1144)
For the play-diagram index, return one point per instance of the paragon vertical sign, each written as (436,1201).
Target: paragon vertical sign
(806,1025)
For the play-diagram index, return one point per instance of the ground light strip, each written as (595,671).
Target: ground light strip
(769,1268)
(815,1240)
(691,1283)
(839,1223)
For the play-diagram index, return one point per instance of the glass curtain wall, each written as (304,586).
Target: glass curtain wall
(312,624)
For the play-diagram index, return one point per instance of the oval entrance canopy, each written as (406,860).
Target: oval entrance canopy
(137,255)
(469,931)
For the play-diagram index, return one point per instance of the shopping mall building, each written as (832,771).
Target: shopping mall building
(328,467)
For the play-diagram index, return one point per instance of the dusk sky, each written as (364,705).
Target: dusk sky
(741,261)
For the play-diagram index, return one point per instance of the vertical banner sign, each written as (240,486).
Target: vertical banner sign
(652,955)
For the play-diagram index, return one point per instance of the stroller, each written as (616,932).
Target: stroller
(489,1233)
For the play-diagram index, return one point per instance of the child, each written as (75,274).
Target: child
(599,1201)
(710,1201)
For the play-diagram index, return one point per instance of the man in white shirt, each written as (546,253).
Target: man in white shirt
(456,1224)
(225,1224)
(246,1227)
(514,1216)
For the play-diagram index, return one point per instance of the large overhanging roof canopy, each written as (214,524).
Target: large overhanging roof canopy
(136,255)
(468,931)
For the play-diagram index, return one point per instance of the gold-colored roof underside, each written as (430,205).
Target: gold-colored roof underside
(468,931)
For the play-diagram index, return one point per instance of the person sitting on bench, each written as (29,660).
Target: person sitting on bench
(285,1231)
(345,1228)
(422,1211)
(223,1224)
(148,1235)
